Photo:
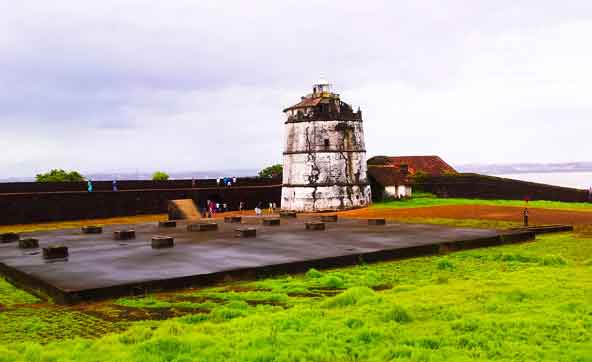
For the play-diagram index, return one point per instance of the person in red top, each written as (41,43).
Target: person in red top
(213,208)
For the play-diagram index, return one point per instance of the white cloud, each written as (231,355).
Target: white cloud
(200,85)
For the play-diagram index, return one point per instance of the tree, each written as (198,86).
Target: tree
(160,176)
(420,176)
(59,175)
(272,171)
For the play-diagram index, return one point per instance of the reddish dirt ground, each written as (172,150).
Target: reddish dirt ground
(501,213)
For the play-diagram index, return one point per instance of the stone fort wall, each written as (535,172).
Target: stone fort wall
(477,186)
(23,203)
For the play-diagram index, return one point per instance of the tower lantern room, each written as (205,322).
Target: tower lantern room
(322,88)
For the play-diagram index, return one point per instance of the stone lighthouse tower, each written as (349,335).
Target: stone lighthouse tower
(324,155)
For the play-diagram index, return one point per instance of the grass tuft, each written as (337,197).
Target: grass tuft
(353,296)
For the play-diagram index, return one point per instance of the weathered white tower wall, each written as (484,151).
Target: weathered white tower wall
(324,156)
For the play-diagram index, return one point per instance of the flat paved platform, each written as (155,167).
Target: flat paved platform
(100,267)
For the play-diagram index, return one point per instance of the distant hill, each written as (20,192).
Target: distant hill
(497,169)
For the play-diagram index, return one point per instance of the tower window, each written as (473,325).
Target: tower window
(326,142)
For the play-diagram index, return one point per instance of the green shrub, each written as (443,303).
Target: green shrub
(59,175)
(160,176)
(272,171)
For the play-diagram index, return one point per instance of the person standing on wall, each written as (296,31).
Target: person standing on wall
(208,209)
(258,209)
(89,186)
(114,186)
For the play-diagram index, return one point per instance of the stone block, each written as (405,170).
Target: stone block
(376,221)
(209,226)
(9,237)
(271,221)
(315,225)
(162,242)
(124,234)
(329,218)
(28,243)
(92,229)
(167,224)
(55,252)
(245,233)
(233,219)
(287,214)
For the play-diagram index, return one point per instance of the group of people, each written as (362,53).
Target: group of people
(259,208)
(90,186)
(212,207)
(226,181)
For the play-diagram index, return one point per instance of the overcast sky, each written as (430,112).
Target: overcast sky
(200,85)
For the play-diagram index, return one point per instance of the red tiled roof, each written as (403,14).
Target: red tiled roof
(381,166)
(388,176)
(305,102)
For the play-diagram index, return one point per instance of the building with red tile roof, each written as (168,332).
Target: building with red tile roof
(391,177)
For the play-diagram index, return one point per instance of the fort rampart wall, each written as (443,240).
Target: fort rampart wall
(475,186)
(24,203)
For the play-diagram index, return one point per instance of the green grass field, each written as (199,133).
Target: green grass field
(420,199)
(524,302)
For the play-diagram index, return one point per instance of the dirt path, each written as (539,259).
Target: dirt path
(501,213)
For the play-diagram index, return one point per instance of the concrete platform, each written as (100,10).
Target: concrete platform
(99,267)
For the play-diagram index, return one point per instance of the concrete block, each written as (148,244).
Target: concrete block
(315,225)
(287,214)
(124,234)
(167,224)
(233,219)
(92,229)
(245,233)
(272,221)
(28,243)
(209,226)
(9,237)
(161,242)
(329,218)
(55,252)
(376,221)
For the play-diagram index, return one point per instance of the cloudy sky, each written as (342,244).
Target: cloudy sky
(200,85)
